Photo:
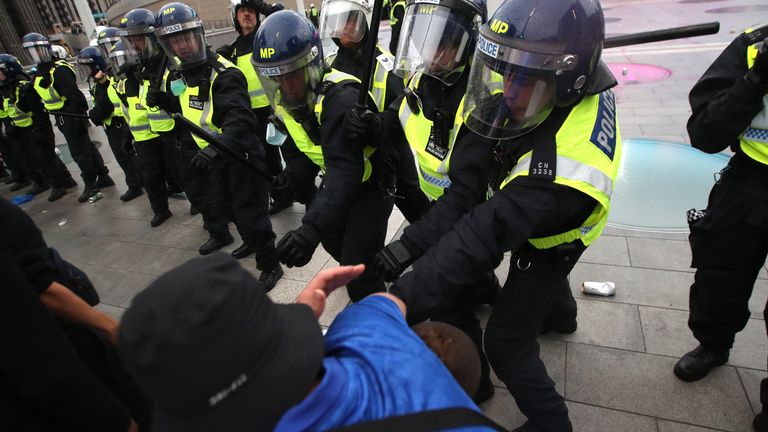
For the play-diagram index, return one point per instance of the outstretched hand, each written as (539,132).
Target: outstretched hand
(319,288)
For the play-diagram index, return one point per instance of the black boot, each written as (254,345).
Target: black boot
(88,192)
(215,243)
(243,251)
(19,184)
(193,210)
(484,391)
(159,218)
(696,364)
(760,423)
(56,194)
(269,278)
(104,181)
(39,188)
(131,193)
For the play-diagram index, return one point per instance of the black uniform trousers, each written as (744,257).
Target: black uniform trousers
(729,247)
(531,294)
(244,197)
(202,191)
(45,165)
(84,152)
(150,157)
(357,239)
(115,132)
(15,154)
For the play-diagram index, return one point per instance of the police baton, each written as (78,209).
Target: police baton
(373,39)
(662,35)
(66,114)
(217,144)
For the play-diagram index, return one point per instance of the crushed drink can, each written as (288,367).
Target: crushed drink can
(599,288)
(97,196)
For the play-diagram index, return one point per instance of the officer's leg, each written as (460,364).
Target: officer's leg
(413,203)
(511,344)
(364,237)
(72,129)
(761,420)
(34,159)
(204,193)
(115,137)
(45,141)
(20,157)
(150,161)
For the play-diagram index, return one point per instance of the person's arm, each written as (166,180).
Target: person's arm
(42,367)
(67,305)
(232,113)
(102,105)
(65,83)
(344,163)
(723,101)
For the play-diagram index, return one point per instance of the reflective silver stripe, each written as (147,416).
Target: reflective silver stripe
(378,92)
(337,76)
(54,99)
(139,128)
(405,115)
(160,115)
(208,105)
(572,170)
(257,93)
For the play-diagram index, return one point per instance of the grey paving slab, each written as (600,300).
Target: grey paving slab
(115,286)
(607,250)
(119,229)
(286,290)
(285,221)
(759,298)
(176,235)
(661,288)
(112,253)
(111,311)
(614,231)
(335,303)
(502,409)
(751,380)
(670,426)
(157,260)
(71,247)
(660,254)
(589,418)
(552,353)
(644,384)
(666,333)
(606,324)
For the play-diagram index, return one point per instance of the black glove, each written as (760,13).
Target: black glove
(360,124)
(159,99)
(393,260)
(758,74)
(297,246)
(282,189)
(225,51)
(94,119)
(202,162)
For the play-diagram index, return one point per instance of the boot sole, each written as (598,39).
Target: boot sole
(691,377)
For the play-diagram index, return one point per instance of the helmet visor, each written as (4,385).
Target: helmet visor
(105,44)
(185,48)
(505,100)
(141,46)
(39,52)
(120,60)
(292,91)
(344,20)
(434,39)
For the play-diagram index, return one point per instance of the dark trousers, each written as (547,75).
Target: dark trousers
(202,191)
(43,150)
(15,154)
(151,163)
(357,239)
(83,151)
(245,197)
(115,136)
(529,298)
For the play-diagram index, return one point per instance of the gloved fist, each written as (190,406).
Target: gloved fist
(360,124)
(297,246)
(202,162)
(282,189)
(225,51)
(393,260)
(94,119)
(158,99)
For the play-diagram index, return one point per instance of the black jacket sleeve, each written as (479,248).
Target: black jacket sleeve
(723,102)
(65,83)
(232,113)
(41,376)
(102,105)
(468,171)
(344,164)
(20,235)
(526,208)
(30,101)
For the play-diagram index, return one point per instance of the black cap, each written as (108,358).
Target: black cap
(214,353)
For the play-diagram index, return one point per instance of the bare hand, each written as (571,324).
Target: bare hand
(133,427)
(319,288)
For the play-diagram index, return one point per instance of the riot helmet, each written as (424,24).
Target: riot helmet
(107,38)
(437,37)
(346,20)
(137,29)
(530,57)
(38,47)
(120,59)
(92,61)
(10,68)
(288,57)
(181,33)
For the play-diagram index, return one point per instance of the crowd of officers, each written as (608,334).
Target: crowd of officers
(514,132)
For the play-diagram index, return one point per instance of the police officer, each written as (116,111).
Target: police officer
(56,83)
(12,152)
(136,49)
(216,98)
(729,107)
(347,23)
(34,130)
(246,19)
(349,214)
(313,14)
(107,111)
(396,15)
(546,99)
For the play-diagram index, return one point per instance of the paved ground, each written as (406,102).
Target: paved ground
(616,370)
